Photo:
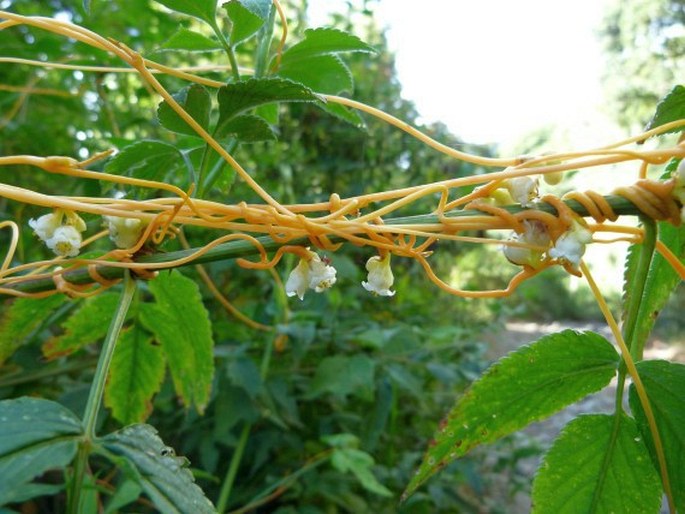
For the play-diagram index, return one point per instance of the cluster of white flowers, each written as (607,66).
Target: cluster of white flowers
(60,231)
(314,273)
(570,246)
(310,273)
(679,190)
(124,232)
(535,234)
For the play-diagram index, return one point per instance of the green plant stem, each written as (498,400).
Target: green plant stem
(234,249)
(96,391)
(266,33)
(636,288)
(229,479)
(229,51)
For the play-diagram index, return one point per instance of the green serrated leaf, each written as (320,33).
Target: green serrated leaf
(662,279)
(190,41)
(324,41)
(86,325)
(670,108)
(163,476)
(196,101)
(37,435)
(204,10)
(127,492)
(665,385)
(245,22)
(341,375)
(345,114)
(248,128)
(238,97)
(261,8)
(180,322)
(592,468)
(527,385)
(147,159)
(325,74)
(135,376)
(21,319)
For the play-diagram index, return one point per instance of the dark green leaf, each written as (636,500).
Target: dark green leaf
(665,385)
(163,476)
(594,468)
(359,463)
(87,325)
(323,41)
(670,108)
(662,279)
(195,100)
(239,97)
(527,385)
(190,41)
(147,159)
(341,375)
(245,22)
(181,324)
(135,376)
(22,318)
(324,74)
(204,10)
(37,435)
(248,128)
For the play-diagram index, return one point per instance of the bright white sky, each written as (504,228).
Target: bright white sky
(493,70)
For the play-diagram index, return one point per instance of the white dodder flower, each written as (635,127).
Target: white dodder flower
(65,241)
(535,234)
(570,246)
(124,232)
(311,272)
(61,236)
(523,190)
(45,226)
(380,278)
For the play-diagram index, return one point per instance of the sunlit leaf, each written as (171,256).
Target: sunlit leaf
(323,41)
(135,376)
(665,385)
(358,463)
(21,318)
(190,41)
(245,22)
(180,323)
(88,324)
(37,435)
(323,74)
(260,8)
(196,102)
(238,97)
(527,385)
(164,477)
(596,466)
(205,10)
(670,108)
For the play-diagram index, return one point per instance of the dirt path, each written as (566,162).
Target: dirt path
(517,334)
